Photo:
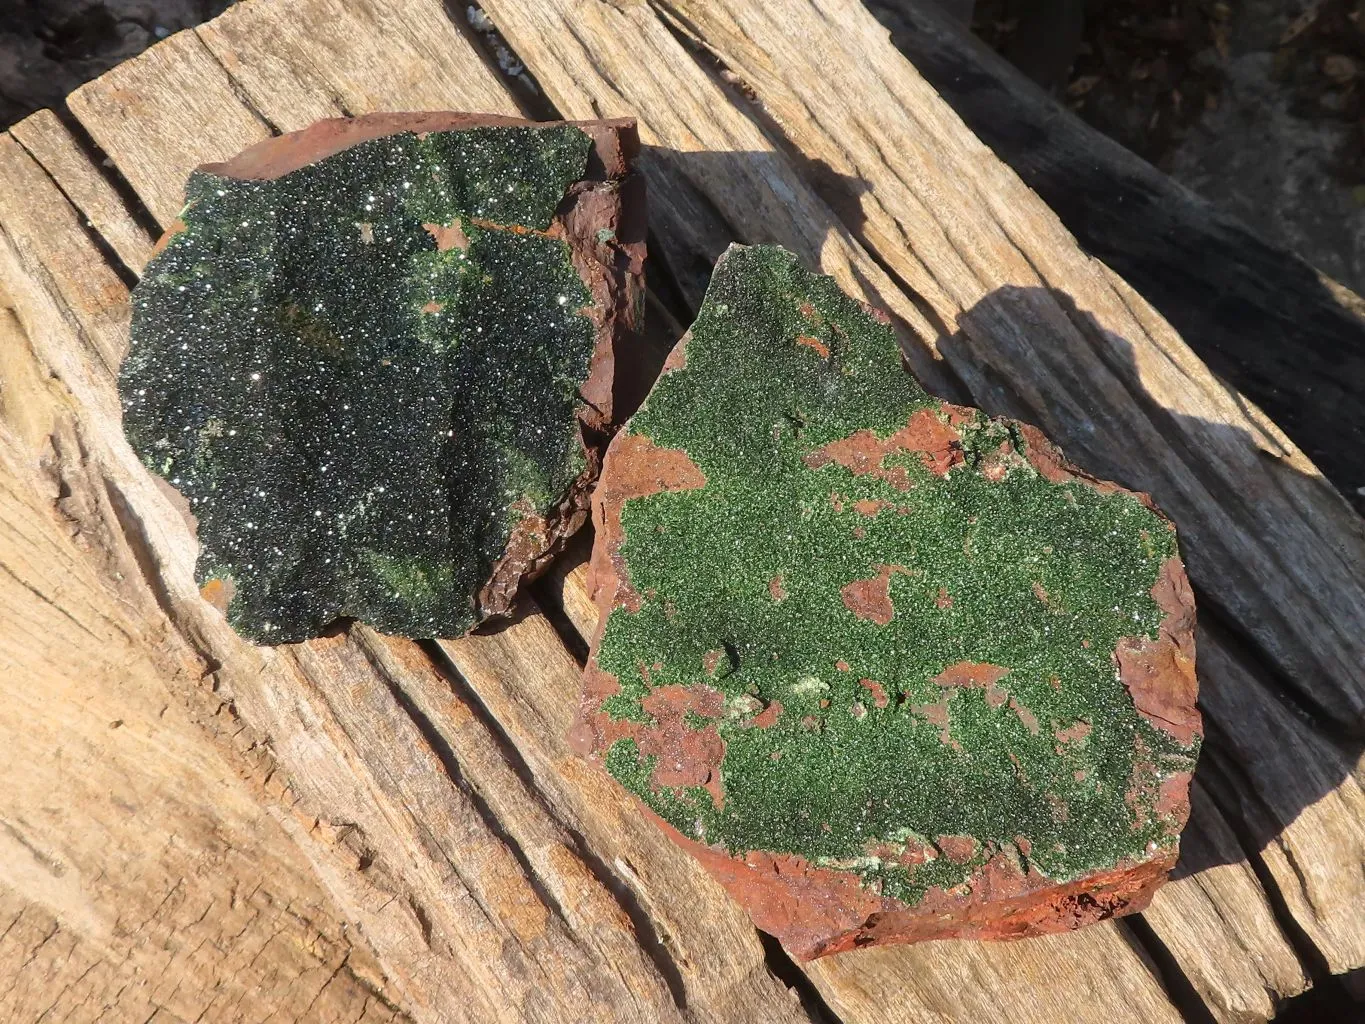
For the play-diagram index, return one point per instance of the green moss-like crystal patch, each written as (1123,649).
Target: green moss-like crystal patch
(912,630)
(355,371)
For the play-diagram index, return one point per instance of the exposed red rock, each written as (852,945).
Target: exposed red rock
(1160,673)
(768,717)
(936,443)
(958,849)
(687,756)
(1075,732)
(448,236)
(818,911)
(871,598)
(819,347)
(971,673)
(870,507)
(878,692)
(643,469)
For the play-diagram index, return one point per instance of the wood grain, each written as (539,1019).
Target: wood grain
(416,835)
(714,177)
(328,58)
(528,683)
(1041,981)
(960,183)
(1266,322)
(46,232)
(325,736)
(52,145)
(142,872)
(1216,922)
(170,108)
(456,872)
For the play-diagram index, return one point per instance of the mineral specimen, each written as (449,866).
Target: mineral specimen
(376,356)
(890,669)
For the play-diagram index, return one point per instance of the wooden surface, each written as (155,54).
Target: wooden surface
(368,829)
(1288,338)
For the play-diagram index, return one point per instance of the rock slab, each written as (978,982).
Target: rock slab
(377,358)
(890,669)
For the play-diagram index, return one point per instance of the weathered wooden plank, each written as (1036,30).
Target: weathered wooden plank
(539,937)
(140,873)
(1079,976)
(50,143)
(170,108)
(42,225)
(562,47)
(483,918)
(1045,333)
(1262,319)
(1294,796)
(714,177)
(328,58)
(476,927)
(743,987)
(528,683)
(1216,922)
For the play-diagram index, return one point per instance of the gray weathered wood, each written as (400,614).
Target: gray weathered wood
(440,851)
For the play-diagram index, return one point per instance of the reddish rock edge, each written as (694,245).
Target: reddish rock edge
(817,911)
(610,195)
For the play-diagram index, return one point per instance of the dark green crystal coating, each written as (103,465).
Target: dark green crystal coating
(999,567)
(351,412)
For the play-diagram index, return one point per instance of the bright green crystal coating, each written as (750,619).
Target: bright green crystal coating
(351,409)
(742,588)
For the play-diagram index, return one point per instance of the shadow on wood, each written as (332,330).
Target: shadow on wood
(1341,998)
(1289,339)
(1269,753)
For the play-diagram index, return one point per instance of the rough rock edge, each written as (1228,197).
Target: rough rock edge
(815,911)
(610,195)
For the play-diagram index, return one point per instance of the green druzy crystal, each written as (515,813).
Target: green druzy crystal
(358,401)
(891,658)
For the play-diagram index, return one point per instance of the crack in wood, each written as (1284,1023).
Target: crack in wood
(1166,969)
(128,275)
(438,745)
(903,976)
